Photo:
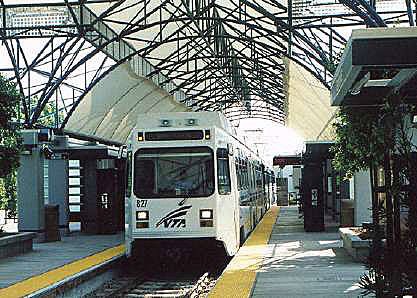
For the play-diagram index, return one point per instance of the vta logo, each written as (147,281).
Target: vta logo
(175,219)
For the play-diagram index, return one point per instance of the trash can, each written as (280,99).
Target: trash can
(52,223)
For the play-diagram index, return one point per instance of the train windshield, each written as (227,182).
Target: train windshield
(174,172)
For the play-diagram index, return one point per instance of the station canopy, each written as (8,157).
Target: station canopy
(216,54)
(309,112)
(223,55)
(121,99)
(117,103)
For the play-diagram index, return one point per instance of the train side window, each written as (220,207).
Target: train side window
(245,170)
(223,171)
(238,174)
(129,174)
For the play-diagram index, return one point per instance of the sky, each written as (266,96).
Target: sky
(271,138)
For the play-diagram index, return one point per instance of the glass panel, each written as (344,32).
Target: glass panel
(74,181)
(223,173)
(74,199)
(174,172)
(74,172)
(74,163)
(129,174)
(174,135)
(74,190)
(74,208)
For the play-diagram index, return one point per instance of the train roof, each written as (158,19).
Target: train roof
(184,119)
(181,120)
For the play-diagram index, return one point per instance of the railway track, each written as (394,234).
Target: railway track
(170,288)
(140,287)
(158,277)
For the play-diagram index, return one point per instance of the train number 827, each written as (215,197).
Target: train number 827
(141,203)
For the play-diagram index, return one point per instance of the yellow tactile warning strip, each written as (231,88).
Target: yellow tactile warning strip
(46,279)
(239,276)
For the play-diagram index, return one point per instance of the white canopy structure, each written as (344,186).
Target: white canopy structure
(308,104)
(117,102)
(210,55)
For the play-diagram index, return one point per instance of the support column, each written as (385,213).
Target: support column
(58,182)
(363,198)
(30,194)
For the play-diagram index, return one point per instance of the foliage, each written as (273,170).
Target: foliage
(48,116)
(10,142)
(334,61)
(8,194)
(359,139)
(379,138)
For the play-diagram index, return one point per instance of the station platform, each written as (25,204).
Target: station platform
(279,259)
(53,263)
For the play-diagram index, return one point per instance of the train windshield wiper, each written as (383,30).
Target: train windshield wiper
(182,202)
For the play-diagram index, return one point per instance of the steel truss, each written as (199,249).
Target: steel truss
(211,55)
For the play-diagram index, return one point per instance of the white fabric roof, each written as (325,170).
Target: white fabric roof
(308,104)
(117,102)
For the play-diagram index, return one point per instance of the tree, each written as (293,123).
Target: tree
(378,138)
(10,144)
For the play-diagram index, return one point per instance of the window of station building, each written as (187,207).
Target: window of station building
(223,171)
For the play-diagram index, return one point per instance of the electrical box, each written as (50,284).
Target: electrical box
(32,137)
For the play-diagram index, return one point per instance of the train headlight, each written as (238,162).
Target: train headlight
(206,218)
(140,137)
(206,214)
(142,215)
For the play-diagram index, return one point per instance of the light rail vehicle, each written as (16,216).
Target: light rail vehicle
(192,184)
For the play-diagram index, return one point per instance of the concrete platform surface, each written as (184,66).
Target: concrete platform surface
(301,264)
(48,256)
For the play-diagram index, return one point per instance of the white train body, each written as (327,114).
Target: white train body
(190,178)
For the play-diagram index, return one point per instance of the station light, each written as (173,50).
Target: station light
(142,215)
